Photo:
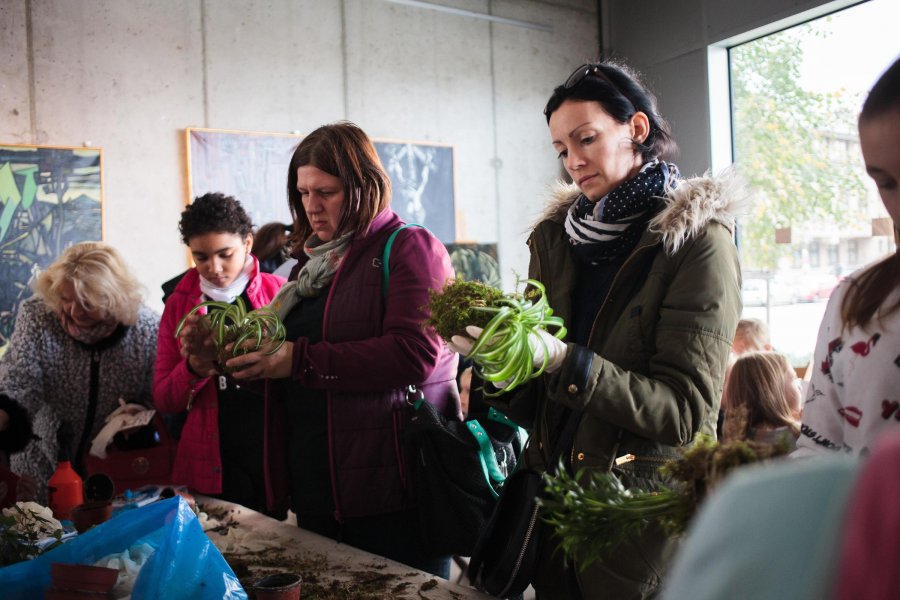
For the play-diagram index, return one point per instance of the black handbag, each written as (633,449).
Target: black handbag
(458,468)
(504,558)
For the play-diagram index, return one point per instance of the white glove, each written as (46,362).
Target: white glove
(461,344)
(556,348)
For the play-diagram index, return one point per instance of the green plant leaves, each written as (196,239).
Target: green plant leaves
(246,331)
(502,353)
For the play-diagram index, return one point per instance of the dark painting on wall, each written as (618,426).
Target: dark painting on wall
(422,181)
(251,166)
(476,262)
(51,198)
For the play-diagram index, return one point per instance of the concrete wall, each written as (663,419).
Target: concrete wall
(129,76)
(668,43)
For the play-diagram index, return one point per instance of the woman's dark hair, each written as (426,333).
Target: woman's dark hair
(342,150)
(214,212)
(884,95)
(621,94)
(270,245)
(869,290)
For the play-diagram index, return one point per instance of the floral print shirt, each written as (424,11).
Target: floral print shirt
(854,391)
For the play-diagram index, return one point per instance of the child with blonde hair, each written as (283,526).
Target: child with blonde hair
(763,399)
(750,335)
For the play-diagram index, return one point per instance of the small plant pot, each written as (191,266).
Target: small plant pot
(99,486)
(283,586)
(91,513)
(83,578)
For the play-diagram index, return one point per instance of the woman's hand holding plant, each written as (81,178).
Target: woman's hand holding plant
(504,334)
(263,363)
(542,343)
(198,345)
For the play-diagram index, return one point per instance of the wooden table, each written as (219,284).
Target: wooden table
(256,545)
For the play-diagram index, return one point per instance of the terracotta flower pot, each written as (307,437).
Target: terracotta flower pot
(83,578)
(91,513)
(283,586)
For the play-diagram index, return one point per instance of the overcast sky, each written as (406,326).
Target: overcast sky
(865,40)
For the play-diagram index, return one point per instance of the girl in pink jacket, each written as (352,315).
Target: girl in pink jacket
(221,447)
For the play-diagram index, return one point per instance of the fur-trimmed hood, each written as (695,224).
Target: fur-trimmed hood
(688,208)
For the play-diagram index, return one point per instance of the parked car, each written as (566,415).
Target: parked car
(815,289)
(753,292)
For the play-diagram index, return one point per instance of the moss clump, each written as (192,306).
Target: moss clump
(461,303)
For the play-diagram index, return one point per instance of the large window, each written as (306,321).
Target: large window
(795,98)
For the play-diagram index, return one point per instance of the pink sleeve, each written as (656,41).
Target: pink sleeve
(869,552)
(173,384)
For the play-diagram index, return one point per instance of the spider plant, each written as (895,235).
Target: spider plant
(502,353)
(246,331)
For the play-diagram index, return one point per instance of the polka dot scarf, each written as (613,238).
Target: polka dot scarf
(610,228)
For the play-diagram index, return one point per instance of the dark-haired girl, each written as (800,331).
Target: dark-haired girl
(221,447)
(641,265)
(854,392)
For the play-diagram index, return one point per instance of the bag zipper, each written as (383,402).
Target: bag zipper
(521,557)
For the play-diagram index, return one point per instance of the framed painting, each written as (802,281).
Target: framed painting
(422,179)
(51,198)
(476,262)
(251,166)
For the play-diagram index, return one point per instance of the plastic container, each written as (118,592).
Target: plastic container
(283,586)
(91,513)
(65,489)
(83,578)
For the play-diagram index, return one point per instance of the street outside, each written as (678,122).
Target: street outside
(793,327)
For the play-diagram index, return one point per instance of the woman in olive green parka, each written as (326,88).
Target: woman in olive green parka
(642,266)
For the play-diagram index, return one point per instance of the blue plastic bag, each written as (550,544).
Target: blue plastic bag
(185,565)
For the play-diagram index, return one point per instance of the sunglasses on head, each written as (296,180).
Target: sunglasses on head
(585,70)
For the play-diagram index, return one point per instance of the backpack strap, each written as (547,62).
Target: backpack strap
(489,467)
(385,269)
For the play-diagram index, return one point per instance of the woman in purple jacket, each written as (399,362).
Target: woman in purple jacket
(352,351)
(221,448)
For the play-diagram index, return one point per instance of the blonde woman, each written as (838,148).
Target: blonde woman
(82,342)
(763,393)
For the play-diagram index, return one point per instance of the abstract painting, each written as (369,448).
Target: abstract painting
(51,198)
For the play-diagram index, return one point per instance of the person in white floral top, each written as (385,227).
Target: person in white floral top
(854,393)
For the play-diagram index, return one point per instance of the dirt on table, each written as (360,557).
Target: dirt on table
(326,580)
(322,579)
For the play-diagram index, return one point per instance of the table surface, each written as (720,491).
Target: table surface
(256,545)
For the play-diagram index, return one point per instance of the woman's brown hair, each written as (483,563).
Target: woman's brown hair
(868,292)
(342,150)
(756,389)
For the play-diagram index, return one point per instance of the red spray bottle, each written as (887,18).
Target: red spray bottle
(65,486)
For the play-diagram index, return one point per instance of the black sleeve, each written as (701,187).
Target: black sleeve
(17,435)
